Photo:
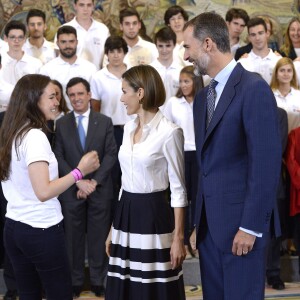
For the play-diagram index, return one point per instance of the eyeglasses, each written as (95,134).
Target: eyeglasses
(16,38)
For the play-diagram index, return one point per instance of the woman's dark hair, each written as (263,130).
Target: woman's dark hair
(147,78)
(197,81)
(63,107)
(23,114)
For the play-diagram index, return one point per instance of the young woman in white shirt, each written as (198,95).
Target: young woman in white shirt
(286,91)
(33,233)
(146,240)
(179,110)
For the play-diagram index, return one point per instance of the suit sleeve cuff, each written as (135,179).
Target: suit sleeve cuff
(257,234)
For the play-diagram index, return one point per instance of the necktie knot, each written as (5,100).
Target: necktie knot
(211,100)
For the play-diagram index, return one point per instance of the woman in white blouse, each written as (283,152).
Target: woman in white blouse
(286,91)
(146,241)
(33,232)
(179,110)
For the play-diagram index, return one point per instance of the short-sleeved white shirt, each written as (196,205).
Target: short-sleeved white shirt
(297,68)
(291,104)
(178,55)
(157,160)
(142,53)
(107,88)
(180,112)
(23,205)
(12,69)
(62,71)
(3,47)
(44,54)
(5,93)
(91,42)
(169,76)
(263,66)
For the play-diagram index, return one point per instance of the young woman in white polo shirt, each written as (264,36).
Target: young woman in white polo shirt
(33,233)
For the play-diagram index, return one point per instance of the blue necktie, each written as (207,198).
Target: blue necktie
(211,100)
(81,131)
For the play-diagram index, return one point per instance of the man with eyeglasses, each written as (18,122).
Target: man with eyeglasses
(15,62)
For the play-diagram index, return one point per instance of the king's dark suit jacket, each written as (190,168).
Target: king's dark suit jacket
(239,158)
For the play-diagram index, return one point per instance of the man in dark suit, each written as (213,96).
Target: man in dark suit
(86,205)
(239,155)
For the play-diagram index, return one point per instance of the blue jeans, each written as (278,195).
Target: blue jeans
(39,260)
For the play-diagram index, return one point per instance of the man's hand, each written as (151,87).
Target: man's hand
(86,186)
(243,243)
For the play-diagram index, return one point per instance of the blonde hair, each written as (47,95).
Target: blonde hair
(283,62)
(288,45)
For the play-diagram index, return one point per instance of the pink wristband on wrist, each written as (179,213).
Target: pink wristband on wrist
(76,173)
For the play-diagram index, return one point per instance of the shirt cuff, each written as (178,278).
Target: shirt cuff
(257,234)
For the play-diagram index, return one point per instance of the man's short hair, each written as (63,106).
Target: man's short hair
(67,29)
(210,25)
(14,25)
(75,1)
(128,12)
(255,22)
(236,13)
(35,13)
(175,10)
(165,34)
(115,42)
(75,80)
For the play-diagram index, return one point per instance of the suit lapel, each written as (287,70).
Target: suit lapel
(225,99)
(92,128)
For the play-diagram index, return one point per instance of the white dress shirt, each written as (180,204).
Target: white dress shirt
(84,121)
(155,161)
(291,104)
(180,112)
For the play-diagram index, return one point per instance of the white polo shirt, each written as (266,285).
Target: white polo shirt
(169,76)
(297,68)
(12,69)
(5,93)
(3,47)
(62,71)
(23,205)
(44,54)
(91,42)
(107,88)
(263,66)
(142,53)
(291,104)
(178,55)
(180,112)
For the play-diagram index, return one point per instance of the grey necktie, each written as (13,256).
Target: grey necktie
(211,100)
(81,131)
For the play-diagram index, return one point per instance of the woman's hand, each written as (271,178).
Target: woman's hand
(89,163)
(177,253)
(108,243)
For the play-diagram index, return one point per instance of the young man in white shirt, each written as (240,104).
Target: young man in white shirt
(166,66)
(261,59)
(36,45)
(236,20)
(68,65)
(15,62)
(91,34)
(175,17)
(139,50)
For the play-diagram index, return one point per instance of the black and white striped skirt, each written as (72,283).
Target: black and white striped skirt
(139,265)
